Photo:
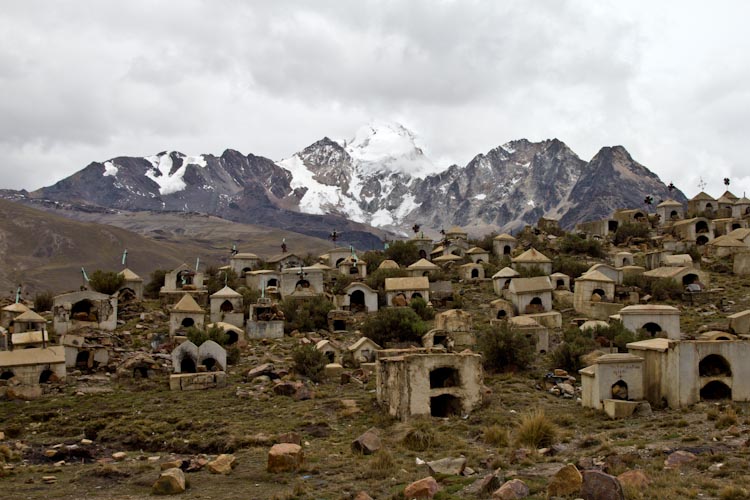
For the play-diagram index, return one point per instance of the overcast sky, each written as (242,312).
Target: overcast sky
(88,81)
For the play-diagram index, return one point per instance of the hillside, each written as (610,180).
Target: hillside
(45,251)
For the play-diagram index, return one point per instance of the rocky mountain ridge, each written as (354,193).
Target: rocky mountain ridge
(380,178)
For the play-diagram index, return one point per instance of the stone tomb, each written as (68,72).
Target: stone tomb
(739,323)
(304,281)
(180,281)
(226,307)
(532,330)
(185,314)
(471,271)
(400,291)
(197,368)
(612,376)
(413,383)
(501,310)
(8,314)
(501,280)
(504,244)
(359,297)
(84,309)
(266,320)
(531,295)
(657,320)
(683,372)
(594,294)
(453,330)
(132,287)
(33,366)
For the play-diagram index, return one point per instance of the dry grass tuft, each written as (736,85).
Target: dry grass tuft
(420,437)
(381,466)
(496,435)
(536,430)
(727,419)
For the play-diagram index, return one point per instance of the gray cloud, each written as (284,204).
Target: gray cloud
(83,82)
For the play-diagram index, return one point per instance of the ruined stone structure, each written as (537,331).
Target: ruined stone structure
(266,320)
(33,366)
(82,309)
(180,281)
(301,281)
(420,383)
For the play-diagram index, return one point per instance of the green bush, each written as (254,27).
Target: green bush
(151,290)
(309,362)
(572,266)
(394,324)
(630,230)
(216,279)
(404,253)
(373,258)
(574,244)
(505,349)
(618,335)
(198,336)
(420,307)
(43,301)
(574,345)
(306,315)
(107,282)
(665,289)
(341,283)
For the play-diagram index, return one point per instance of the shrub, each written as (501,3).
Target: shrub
(394,324)
(218,278)
(531,272)
(341,283)
(505,349)
(373,258)
(107,282)
(309,362)
(249,297)
(420,307)
(43,301)
(734,493)
(571,266)
(495,435)
(198,336)
(568,354)
(665,289)
(376,280)
(727,419)
(618,335)
(403,252)
(536,430)
(574,244)
(381,466)
(630,230)
(151,290)
(306,315)
(420,436)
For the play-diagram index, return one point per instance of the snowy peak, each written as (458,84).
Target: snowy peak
(168,170)
(389,147)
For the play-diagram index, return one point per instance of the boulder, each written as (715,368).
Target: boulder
(634,478)
(424,488)
(284,457)
(266,369)
(598,485)
(511,490)
(222,465)
(447,466)
(363,496)
(566,481)
(678,459)
(484,486)
(24,392)
(170,482)
(120,456)
(367,443)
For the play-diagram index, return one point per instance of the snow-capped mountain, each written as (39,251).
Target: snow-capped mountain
(380,177)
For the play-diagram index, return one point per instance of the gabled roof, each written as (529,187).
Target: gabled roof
(739,234)
(362,342)
(669,203)
(679,259)
(129,275)
(447,258)
(506,272)
(187,304)
(532,255)
(244,255)
(702,197)
(595,276)
(279,257)
(358,284)
(729,196)
(320,266)
(225,293)
(742,201)
(667,272)
(504,237)
(415,283)
(389,264)
(17,307)
(422,265)
(528,285)
(29,316)
(727,242)
(476,250)
(455,230)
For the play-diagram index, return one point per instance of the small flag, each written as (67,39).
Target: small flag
(197,263)
(125,257)
(85,276)
(18,294)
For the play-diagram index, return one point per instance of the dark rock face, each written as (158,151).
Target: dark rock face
(340,187)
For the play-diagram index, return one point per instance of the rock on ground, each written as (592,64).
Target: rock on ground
(598,485)
(511,490)
(447,466)
(424,488)
(635,478)
(170,482)
(678,459)
(367,443)
(567,481)
(284,457)
(222,465)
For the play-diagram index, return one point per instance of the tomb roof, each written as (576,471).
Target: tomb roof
(32,337)
(226,292)
(29,316)
(414,283)
(421,265)
(187,304)
(702,196)
(529,285)
(476,251)
(129,275)
(33,356)
(532,255)
(504,237)
(657,344)
(447,258)
(669,203)
(506,272)
(595,276)
(245,255)
(16,307)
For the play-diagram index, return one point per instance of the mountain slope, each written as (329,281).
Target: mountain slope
(379,178)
